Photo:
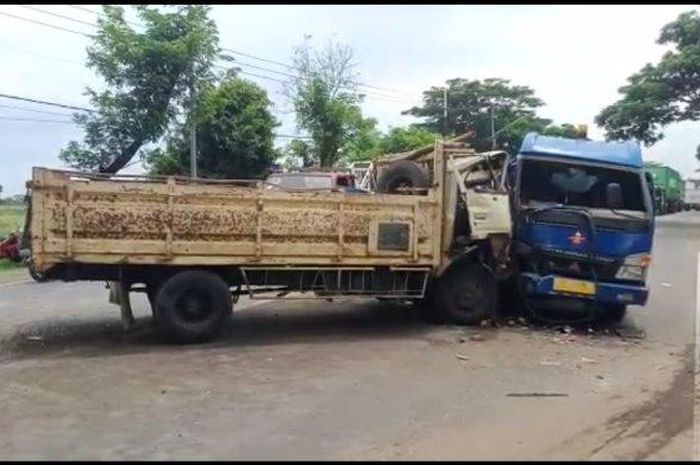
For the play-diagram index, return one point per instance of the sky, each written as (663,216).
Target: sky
(574,57)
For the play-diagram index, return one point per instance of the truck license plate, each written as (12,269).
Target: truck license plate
(574,286)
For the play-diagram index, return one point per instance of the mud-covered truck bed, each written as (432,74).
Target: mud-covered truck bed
(135,221)
(192,244)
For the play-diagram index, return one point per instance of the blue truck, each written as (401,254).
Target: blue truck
(583,227)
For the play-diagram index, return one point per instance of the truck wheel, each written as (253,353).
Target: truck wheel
(612,313)
(466,295)
(427,309)
(151,293)
(402,173)
(192,305)
(36,276)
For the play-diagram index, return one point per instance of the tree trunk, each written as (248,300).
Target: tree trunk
(124,158)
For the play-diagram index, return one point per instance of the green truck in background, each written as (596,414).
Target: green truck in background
(668,188)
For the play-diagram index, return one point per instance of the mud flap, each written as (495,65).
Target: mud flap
(119,295)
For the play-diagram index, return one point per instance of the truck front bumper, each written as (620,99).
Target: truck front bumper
(606,292)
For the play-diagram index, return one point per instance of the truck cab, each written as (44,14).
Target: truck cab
(583,225)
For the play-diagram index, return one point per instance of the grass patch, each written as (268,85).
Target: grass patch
(7,265)
(11,219)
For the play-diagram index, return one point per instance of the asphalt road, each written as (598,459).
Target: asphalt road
(348,380)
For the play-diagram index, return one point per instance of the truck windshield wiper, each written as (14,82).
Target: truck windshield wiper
(626,215)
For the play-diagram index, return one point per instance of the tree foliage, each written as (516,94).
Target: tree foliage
(148,76)
(371,142)
(325,98)
(234,135)
(405,139)
(660,94)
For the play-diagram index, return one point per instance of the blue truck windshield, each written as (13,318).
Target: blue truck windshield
(578,185)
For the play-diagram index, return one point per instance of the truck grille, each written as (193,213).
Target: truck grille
(576,268)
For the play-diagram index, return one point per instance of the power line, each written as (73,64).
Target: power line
(395,99)
(288,66)
(15,107)
(6,118)
(290,136)
(44,102)
(44,24)
(364,93)
(82,8)
(99,13)
(389,98)
(57,15)
(258,58)
(47,57)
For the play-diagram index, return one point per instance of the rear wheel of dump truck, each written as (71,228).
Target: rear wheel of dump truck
(466,294)
(192,306)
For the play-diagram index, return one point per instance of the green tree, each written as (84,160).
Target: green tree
(298,154)
(474,105)
(470,104)
(234,135)
(660,94)
(405,139)
(325,99)
(363,139)
(149,77)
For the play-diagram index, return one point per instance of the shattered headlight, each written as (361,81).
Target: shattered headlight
(635,267)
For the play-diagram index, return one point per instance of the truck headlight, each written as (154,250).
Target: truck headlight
(634,267)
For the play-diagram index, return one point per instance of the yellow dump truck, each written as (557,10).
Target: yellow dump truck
(195,245)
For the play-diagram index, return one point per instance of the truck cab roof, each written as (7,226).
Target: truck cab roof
(628,153)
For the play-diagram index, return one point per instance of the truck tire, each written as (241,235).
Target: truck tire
(466,294)
(191,306)
(612,313)
(36,276)
(402,173)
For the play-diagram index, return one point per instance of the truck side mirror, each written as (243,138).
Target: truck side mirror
(614,196)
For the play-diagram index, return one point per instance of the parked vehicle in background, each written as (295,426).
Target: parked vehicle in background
(9,247)
(668,188)
(691,195)
(583,226)
(314,180)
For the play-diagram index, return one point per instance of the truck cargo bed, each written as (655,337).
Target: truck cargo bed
(94,219)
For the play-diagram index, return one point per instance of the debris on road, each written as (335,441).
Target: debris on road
(549,363)
(599,376)
(35,338)
(537,394)
(461,340)
(588,360)
(630,333)
(477,337)
(462,357)
(666,285)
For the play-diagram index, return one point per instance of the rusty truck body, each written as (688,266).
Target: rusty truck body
(195,245)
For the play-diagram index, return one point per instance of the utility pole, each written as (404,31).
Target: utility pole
(193,135)
(493,131)
(444,113)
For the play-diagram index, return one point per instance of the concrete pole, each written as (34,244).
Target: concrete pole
(193,137)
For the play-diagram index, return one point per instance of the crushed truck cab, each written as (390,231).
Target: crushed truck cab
(583,224)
